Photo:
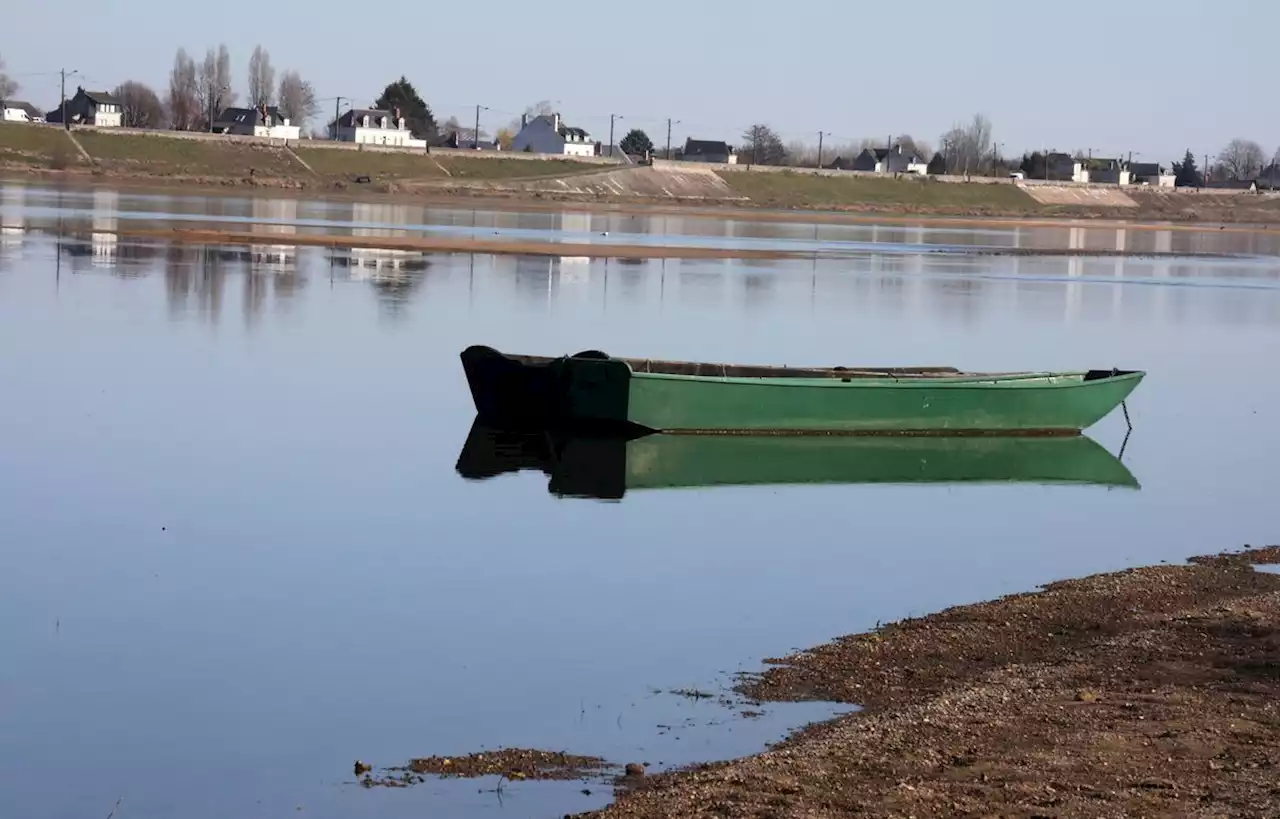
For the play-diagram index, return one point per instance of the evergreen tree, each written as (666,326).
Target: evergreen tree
(417,116)
(1185,173)
(637,142)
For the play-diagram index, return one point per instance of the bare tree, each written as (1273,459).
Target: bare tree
(761,145)
(183,101)
(214,84)
(542,108)
(917,146)
(1241,159)
(967,148)
(296,98)
(262,78)
(8,86)
(140,106)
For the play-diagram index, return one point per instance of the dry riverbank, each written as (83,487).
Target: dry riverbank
(1152,691)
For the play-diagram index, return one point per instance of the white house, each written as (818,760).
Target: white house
(260,122)
(17,111)
(547,134)
(371,126)
(90,108)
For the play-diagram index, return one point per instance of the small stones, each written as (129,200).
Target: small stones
(634,769)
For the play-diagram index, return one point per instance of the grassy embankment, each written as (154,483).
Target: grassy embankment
(160,158)
(799,190)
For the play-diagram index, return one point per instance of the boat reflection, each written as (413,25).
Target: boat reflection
(606,467)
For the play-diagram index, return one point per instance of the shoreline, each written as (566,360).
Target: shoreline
(1146,691)
(488,198)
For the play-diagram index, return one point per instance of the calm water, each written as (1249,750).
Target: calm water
(237,555)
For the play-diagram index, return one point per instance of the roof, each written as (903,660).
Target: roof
(246,116)
(698,147)
(31,110)
(102,97)
(1144,168)
(348,118)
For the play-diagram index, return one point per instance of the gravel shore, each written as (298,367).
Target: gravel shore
(1147,692)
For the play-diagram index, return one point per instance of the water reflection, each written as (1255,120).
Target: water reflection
(605,468)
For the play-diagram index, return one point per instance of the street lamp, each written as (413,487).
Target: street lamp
(475,137)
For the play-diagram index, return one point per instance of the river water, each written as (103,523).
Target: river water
(238,554)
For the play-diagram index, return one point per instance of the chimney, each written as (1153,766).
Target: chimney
(555,122)
(524,121)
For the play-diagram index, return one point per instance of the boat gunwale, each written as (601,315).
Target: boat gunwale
(838,377)
(1044,380)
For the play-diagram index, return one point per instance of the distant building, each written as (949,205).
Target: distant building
(455,140)
(373,126)
(547,134)
(90,108)
(261,122)
(1269,179)
(1145,173)
(1097,171)
(887,160)
(18,111)
(706,150)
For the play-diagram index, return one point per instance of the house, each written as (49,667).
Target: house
(706,150)
(1269,179)
(888,160)
(265,121)
(547,134)
(90,108)
(454,140)
(1098,171)
(373,126)
(1142,173)
(17,111)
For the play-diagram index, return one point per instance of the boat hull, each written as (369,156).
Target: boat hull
(592,388)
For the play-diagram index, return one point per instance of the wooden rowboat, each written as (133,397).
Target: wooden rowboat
(691,397)
(606,468)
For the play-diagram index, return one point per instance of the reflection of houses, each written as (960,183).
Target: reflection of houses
(12,229)
(275,220)
(105,222)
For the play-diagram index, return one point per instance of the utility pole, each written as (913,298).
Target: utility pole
(669,136)
(612,117)
(819,149)
(475,137)
(337,105)
(63,103)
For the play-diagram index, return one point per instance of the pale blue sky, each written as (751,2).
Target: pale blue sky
(1118,76)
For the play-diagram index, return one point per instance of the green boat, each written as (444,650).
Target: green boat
(592,388)
(607,467)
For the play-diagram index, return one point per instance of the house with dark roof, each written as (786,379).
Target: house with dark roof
(264,121)
(1146,173)
(1097,171)
(19,111)
(1269,178)
(90,108)
(375,126)
(886,160)
(548,134)
(707,150)
(456,140)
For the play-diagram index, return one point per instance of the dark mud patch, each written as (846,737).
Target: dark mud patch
(514,764)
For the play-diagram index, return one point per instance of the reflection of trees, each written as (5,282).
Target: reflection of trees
(197,271)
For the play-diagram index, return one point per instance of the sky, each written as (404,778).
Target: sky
(1151,77)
